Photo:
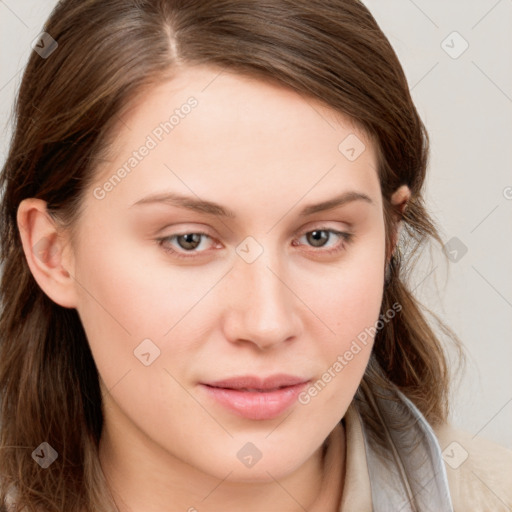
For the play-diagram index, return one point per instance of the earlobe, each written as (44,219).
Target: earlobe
(44,247)
(399,199)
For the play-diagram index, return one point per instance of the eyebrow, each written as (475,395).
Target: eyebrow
(211,208)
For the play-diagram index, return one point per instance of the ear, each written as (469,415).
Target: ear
(46,250)
(399,199)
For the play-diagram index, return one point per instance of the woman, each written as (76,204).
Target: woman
(204,300)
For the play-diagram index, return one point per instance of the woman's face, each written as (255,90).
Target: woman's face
(268,288)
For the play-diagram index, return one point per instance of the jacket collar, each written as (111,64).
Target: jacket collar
(393,460)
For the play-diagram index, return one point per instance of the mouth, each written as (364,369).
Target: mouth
(255,398)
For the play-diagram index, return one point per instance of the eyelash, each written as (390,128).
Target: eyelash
(347,238)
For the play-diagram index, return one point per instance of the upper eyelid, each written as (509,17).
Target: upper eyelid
(310,226)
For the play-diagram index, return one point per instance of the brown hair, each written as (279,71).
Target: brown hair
(109,52)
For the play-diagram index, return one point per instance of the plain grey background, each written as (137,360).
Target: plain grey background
(457,57)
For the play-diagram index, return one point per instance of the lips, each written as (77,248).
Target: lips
(254,383)
(256,398)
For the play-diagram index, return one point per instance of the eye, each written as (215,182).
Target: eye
(187,242)
(318,238)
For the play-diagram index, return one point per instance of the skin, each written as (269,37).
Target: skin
(264,152)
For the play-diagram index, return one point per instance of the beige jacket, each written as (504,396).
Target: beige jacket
(479,471)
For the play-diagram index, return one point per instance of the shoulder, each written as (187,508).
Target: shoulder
(479,471)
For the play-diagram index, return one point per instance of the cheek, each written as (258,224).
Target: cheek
(125,282)
(349,303)
(130,293)
(122,303)
(350,297)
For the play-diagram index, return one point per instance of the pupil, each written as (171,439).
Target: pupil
(191,240)
(317,236)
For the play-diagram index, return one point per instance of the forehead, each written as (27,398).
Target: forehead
(236,139)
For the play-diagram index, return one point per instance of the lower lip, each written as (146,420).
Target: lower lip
(253,404)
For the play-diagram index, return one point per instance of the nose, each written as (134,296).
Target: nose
(261,308)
